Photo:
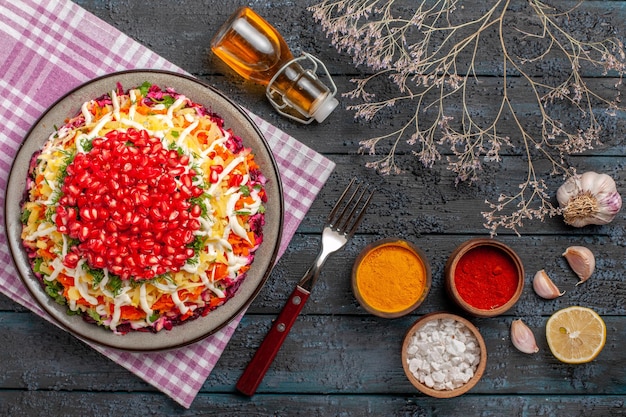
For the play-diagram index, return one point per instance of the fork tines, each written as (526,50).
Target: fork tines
(348,212)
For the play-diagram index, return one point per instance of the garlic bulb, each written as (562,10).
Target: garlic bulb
(544,287)
(581,260)
(523,338)
(589,198)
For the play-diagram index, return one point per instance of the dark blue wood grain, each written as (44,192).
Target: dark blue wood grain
(337,359)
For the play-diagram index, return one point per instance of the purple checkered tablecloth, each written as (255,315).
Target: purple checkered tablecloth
(51,47)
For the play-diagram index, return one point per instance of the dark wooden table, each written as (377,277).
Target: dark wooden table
(339,360)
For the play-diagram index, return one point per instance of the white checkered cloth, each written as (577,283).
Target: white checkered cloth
(51,47)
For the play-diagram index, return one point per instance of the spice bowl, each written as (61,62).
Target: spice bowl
(391,278)
(484,277)
(443,355)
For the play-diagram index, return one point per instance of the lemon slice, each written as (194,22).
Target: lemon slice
(575,334)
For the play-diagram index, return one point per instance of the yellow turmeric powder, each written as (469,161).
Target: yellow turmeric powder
(391,278)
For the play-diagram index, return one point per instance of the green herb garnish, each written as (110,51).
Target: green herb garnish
(69,158)
(55,290)
(144,88)
(244,190)
(37,266)
(50,211)
(91,312)
(198,243)
(96,274)
(168,101)
(24,217)
(86,144)
(115,285)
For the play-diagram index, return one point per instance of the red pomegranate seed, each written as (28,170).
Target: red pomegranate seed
(71,260)
(235,180)
(186,180)
(215,172)
(193,224)
(99,262)
(176,171)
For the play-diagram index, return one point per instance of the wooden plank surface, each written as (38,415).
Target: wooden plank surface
(338,360)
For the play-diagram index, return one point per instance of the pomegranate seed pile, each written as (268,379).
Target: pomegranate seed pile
(143,211)
(128,202)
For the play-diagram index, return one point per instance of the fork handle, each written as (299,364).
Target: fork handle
(264,356)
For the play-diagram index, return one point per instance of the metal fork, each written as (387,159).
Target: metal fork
(340,226)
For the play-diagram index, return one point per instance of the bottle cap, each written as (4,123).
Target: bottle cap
(325,108)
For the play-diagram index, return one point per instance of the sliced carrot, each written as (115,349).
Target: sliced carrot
(131,313)
(164,303)
(242,201)
(240,246)
(83,302)
(216,301)
(203,137)
(46,254)
(185,316)
(187,293)
(65,280)
(221,270)
(236,240)
(251,162)
(251,238)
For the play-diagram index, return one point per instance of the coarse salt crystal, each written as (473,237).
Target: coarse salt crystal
(443,354)
(438,376)
(455,348)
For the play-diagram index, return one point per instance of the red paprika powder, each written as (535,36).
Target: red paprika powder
(486,277)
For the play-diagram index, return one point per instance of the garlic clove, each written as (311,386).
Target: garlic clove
(523,338)
(582,262)
(544,287)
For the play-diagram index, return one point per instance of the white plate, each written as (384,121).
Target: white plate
(235,118)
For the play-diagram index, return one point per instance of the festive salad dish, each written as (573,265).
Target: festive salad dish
(143,211)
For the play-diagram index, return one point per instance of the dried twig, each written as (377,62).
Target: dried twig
(431,56)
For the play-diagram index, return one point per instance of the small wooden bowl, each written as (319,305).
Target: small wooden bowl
(451,268)
(444,393)
(369,305)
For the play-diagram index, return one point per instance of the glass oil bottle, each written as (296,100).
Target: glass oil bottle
(255,50)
